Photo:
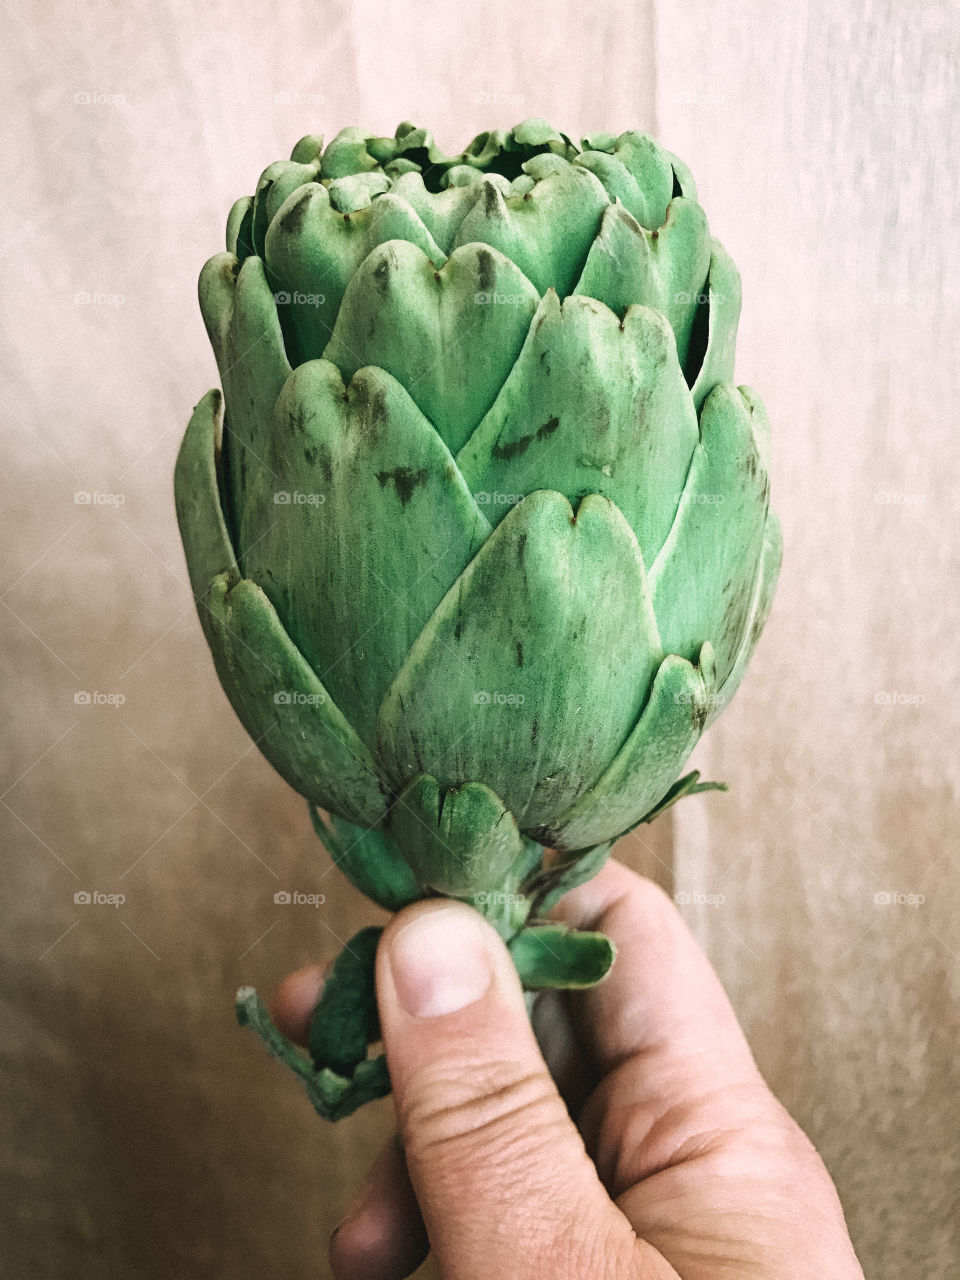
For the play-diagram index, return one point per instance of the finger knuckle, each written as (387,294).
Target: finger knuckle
(603,1246)
(492,1108)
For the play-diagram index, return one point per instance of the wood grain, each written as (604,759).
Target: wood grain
(824,144)
(145,1137)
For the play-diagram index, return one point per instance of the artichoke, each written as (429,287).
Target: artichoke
(482,541)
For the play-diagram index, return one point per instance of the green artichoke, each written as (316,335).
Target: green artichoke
(482,541)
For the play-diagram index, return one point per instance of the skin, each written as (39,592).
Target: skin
(631,1136)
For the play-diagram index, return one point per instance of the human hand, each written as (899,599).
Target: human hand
(632,1136)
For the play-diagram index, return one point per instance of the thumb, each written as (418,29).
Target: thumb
(500,1171)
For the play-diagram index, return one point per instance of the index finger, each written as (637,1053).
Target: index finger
(662,996)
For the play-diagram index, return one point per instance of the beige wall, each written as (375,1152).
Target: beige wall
(829,165)
(144,1136)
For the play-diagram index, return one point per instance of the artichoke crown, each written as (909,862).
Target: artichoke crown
(482,540)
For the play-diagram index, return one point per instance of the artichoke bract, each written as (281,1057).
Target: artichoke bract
(479,530)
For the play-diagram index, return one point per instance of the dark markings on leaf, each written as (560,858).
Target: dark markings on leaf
(381,276)
(490,198)
(513,449)
(486,272)
(293,220)
(517,447)
(378,406)
(325,463)
(404,480)
(519,653)
(372,404)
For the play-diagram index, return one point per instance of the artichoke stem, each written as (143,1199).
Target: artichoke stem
(506,909)
(341,1077)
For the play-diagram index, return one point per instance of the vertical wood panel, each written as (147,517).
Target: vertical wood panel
(824,141)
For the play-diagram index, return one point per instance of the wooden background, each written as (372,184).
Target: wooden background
(143,1136)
